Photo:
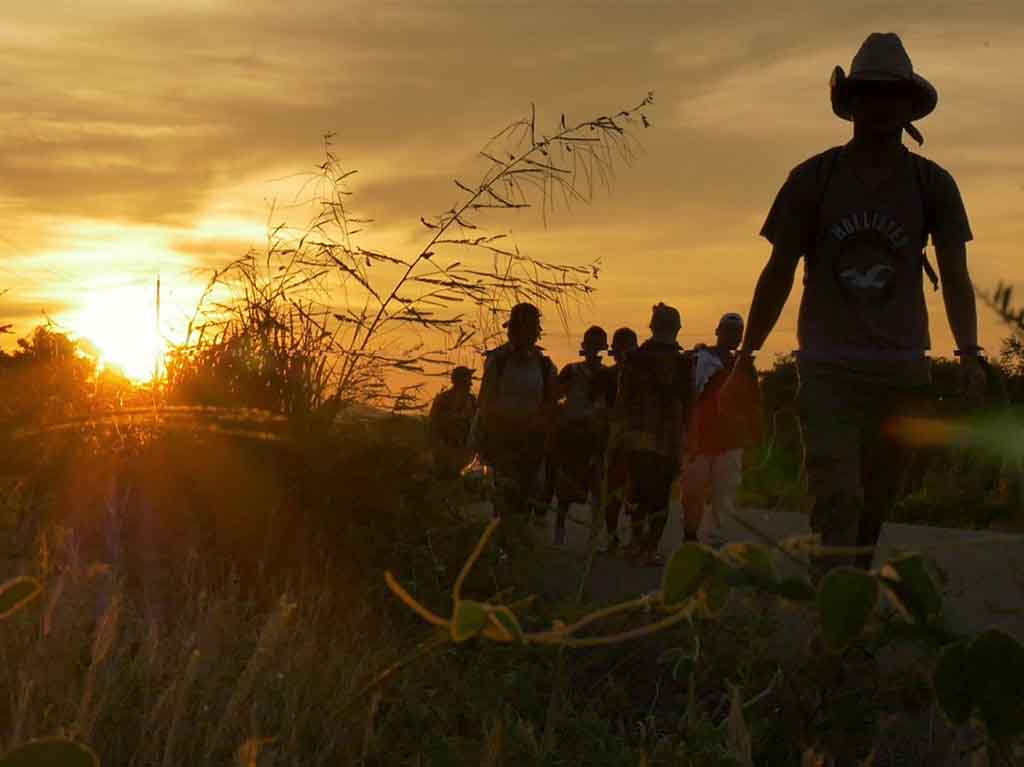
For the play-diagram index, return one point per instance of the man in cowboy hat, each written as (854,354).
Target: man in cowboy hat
(861,215)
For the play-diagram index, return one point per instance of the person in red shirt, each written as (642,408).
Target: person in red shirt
(716,437)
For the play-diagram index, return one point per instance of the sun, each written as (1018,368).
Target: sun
(121,324)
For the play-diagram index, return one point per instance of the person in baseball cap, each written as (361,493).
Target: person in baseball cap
(716,437)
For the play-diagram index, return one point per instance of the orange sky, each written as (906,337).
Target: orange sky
(139,138)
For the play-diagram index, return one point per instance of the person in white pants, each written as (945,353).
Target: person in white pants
(713,463)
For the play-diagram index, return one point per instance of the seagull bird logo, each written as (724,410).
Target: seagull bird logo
(875,277)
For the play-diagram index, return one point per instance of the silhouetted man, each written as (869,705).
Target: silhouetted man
(451,416)
(860,215)
(581,428)
(616,462)
(655,391)
(517,397)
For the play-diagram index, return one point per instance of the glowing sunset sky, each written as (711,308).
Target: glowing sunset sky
(142,136)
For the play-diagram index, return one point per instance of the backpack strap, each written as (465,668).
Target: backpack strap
(929,217)
(823,177)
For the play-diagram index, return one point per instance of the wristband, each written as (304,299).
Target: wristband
(970,351)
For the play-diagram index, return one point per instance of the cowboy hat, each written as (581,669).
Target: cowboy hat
(883,59)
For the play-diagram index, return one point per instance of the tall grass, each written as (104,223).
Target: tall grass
(318,320)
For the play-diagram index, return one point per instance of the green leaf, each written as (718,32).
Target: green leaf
(996,662)
(846,598)
(16,593)
(794,589)
(508,621)
(468,621)
(909,579)
(954,682)
(685,572)
(51,752)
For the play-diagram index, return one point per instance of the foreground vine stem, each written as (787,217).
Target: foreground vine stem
(561,635)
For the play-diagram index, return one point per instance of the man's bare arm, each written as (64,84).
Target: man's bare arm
(958,294)
(770,296)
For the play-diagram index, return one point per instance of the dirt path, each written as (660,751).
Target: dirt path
(984,570)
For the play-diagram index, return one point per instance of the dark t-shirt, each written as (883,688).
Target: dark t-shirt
(655,395)
(451,417)
(863,305)
(584,390)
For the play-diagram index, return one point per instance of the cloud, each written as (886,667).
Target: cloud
(169,122)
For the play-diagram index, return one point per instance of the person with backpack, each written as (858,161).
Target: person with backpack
(616,458)
(517,400)
(581,428)
(713,466)
(654,399)
(861,215)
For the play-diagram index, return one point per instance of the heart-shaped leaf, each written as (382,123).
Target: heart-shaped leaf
(468,621)
(953,682)
(508,621)
(846,598)
(996,661)
(910,581)
(794,589)
(685,572)
(717,586)
(16,593)
(51,752)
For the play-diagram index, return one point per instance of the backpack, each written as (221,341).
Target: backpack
(826,167)
(503,437)
(547,368)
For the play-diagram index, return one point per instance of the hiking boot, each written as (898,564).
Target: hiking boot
(652,559)
(634,552)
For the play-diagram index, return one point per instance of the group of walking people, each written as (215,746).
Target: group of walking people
(860,216)
(616,436)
